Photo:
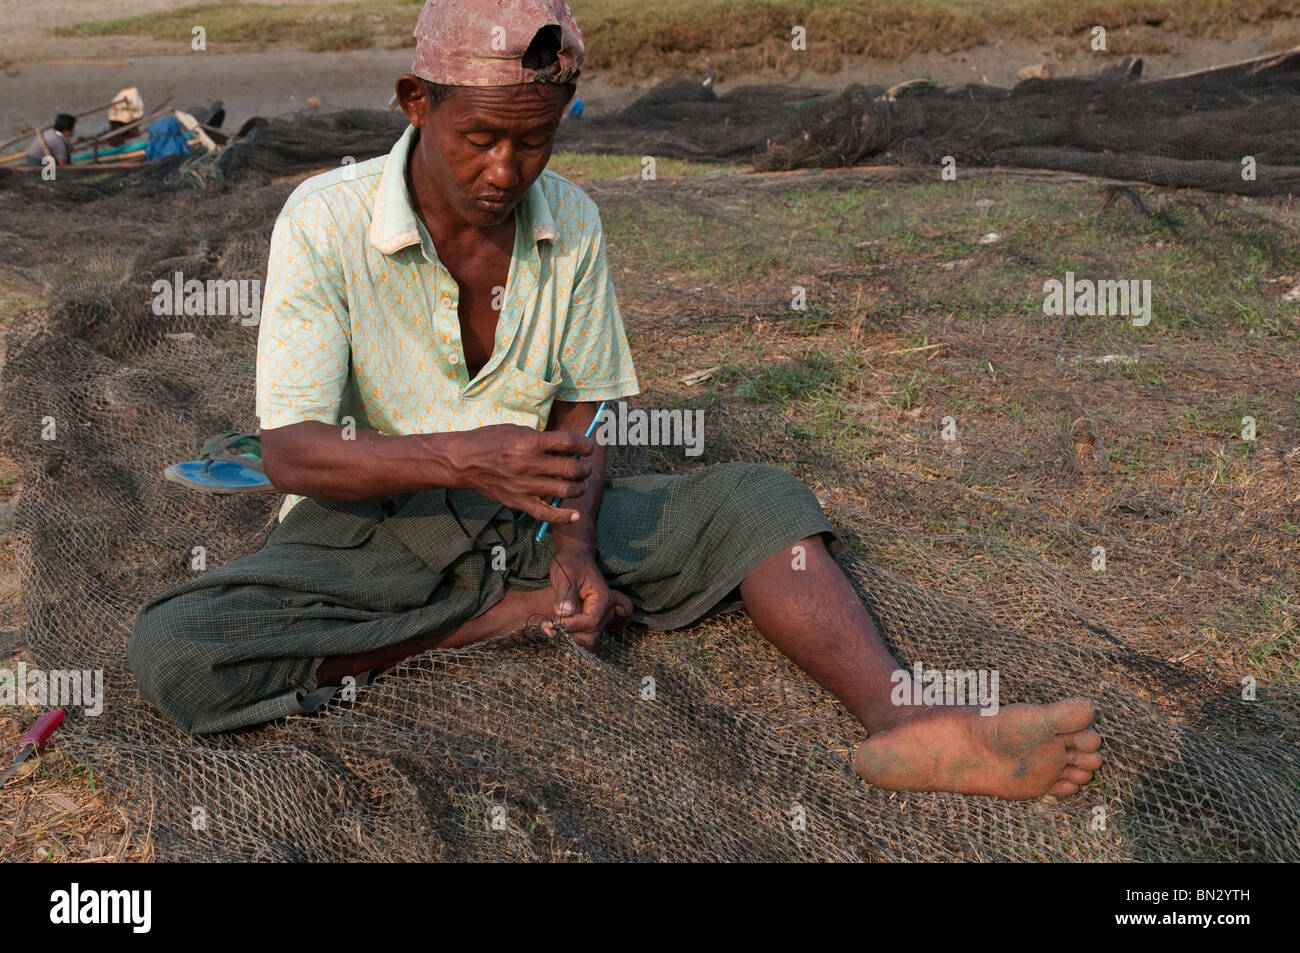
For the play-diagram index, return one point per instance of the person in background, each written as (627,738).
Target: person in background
(57,142)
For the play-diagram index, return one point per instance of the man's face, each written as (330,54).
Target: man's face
(481,149)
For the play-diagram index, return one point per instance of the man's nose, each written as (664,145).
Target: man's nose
(503,168)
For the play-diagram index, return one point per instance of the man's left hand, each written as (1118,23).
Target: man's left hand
(584,603)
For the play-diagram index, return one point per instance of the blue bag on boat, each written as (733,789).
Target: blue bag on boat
(166,138)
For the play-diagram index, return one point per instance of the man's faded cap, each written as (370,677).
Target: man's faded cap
(496,42)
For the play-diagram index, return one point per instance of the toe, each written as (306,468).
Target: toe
(1063,788)
(1083,759)
(1083,741)
(1077,775)
(1069,716)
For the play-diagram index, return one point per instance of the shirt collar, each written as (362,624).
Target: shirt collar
(394,224)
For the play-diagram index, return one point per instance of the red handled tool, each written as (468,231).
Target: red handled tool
(33,740)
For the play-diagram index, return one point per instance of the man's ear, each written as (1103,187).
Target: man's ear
(413,99)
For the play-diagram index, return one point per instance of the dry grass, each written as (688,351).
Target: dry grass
(1285,37)
(1062,448)
(630,39)
(55,810)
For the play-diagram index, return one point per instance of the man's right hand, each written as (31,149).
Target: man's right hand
(525,469)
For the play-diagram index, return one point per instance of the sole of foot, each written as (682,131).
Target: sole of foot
(1021,752)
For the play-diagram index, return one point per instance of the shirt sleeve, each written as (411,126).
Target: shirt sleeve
(303,346)
(595,362)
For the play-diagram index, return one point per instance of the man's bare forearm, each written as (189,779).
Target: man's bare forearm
(313,459)
(580,536)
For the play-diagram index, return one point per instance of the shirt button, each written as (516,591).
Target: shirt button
(446,302)
(455,359)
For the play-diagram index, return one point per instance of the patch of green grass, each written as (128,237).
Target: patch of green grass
(1279,616)
(1128,460)
(1147,373)
(344,36)
(906,393)
(1224,424)
(1269,626)
(582,167)
(779,384)
(832,426)
(317,26)
(1206,421)
(1017,411)
(69,771)
(678,242)
(813,320)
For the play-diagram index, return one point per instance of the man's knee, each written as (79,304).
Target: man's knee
(166,663)
(761,487)
(777,506)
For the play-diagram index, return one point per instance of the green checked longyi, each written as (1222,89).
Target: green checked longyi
(600,409)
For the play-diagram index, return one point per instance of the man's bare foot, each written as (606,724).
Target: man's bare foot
(536,607)
(511,613)
(1023,751)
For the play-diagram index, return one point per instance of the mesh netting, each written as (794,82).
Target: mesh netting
(531,748)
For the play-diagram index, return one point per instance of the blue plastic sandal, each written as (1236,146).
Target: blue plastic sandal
(228,463)
(218,476)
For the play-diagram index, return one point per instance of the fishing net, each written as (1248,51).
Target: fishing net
(1181,132)
(1232,129)
(699,744)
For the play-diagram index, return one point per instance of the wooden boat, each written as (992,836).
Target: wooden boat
(107,150)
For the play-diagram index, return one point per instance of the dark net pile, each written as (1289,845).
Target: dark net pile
(530,748)
(1191,132)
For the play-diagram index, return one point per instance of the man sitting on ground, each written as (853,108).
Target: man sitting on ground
(439,325)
